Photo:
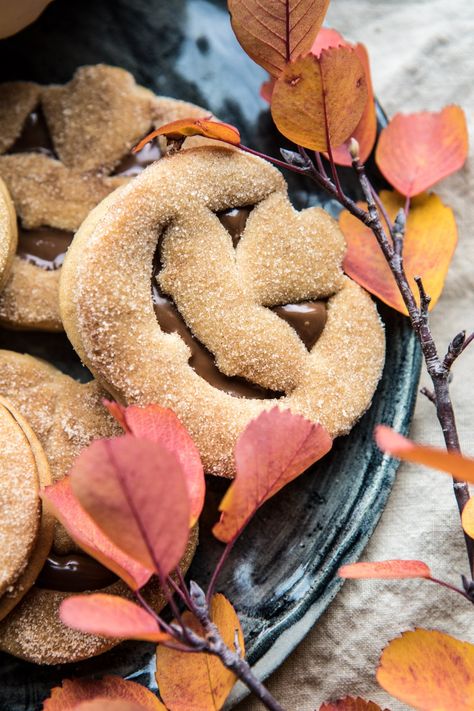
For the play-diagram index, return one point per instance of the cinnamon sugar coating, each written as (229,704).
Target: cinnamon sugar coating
(93,122)
(282,255)
(8,233)
(17,100)
(20,509)
(65,416)
(30,525)
(34,631)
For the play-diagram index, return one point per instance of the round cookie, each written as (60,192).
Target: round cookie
(66,416)
(230,297)
(8,233)
(63,149)
(26,527)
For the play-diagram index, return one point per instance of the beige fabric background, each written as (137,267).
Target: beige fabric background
(422,55)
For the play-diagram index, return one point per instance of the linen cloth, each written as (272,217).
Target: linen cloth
(422,57)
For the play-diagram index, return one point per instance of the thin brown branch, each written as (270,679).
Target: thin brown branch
(455,349)
(419,319)
(428,394)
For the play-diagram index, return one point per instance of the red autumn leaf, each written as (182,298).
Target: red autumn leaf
(104,704)
(161,425)
(110,616)
(199,681)
(89,536)
(276,31)
(113,688)
(395,569)
(274,449)
(327,38)
(349,703)
(136,493)
(183,128)
(317,98)
(429,670)
(415,151)
(398,446)
(429,244)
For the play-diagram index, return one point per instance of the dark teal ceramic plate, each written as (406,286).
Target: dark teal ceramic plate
(283,573)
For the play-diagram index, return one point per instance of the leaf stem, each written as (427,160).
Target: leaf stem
(218,569)
(450,587)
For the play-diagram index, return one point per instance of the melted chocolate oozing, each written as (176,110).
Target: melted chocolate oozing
(74,572)
(44,246)
(35,136)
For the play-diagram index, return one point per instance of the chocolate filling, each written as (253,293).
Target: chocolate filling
(308,318)
(74,572)
(44,246)
(35,136)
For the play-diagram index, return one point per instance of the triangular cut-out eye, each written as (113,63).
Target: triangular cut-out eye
(308,318)
(35,136)
(234,220)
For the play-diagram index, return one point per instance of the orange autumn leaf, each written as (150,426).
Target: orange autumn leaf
(75,691)
(429,244)
(110,616)
(89,536)
(429,670)
(415,151)
(456,465)
(135,491)
(183,128)
(468,518)
(317,98)
(275,32)
(366,130)
(349,703)
(104,704)
(199,681)
(161,425)
(396,569)
(274,449)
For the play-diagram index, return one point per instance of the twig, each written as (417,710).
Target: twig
(218,569)
(429,394)
(230,658)
(455,349)
(420,322)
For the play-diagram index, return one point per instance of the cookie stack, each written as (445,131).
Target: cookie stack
(187,280)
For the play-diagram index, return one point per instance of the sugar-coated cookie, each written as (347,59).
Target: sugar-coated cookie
(197,286)
(26,527)
(63,149)
(65,416)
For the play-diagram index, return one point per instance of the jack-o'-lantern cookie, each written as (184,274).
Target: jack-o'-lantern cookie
(65,416)
(26,526)
(247,307)
(64,148)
